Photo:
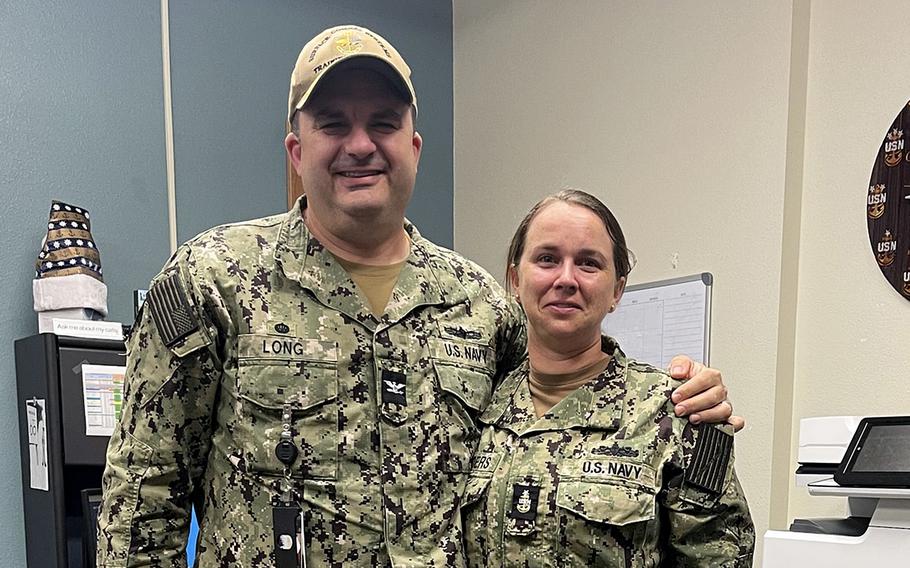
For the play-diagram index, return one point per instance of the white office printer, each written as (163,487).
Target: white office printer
(866,460)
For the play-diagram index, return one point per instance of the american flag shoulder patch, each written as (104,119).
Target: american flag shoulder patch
(708,466)
(171,310)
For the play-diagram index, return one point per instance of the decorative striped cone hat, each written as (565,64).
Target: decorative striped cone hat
(68,270)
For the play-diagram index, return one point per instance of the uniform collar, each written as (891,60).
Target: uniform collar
(302,258)
(598,405)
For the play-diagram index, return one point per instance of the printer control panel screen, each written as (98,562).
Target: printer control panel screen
(879,454)
(886,448)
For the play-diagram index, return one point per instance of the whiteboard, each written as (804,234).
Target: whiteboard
(657,320)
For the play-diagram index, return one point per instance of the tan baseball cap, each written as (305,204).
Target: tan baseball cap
(343,43)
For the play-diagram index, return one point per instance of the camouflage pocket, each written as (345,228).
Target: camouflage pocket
(608,503)
(465,394)
(618,513)
(130,462)
(308,391)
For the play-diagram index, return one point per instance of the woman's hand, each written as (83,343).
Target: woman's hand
(703,395)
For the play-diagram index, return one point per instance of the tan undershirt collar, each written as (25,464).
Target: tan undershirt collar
(547,389)
(375,282)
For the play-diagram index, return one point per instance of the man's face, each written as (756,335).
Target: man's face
(357,150)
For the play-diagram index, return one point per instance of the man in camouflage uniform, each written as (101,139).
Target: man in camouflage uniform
(261,380)
(608,477)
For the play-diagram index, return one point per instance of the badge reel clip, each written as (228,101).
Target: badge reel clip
(286,521)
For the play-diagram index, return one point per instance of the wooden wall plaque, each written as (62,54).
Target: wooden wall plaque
(888,205)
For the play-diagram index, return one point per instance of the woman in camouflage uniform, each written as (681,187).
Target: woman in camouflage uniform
(582,461)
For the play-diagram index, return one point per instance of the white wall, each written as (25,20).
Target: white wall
(853,336)
(734,137)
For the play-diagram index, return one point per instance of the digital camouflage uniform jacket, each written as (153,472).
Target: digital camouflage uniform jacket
(254,325)
(608,477)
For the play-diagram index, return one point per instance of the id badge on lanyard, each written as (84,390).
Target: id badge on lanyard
(287,519)
(287,524)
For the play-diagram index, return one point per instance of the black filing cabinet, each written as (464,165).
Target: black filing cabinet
(49,369)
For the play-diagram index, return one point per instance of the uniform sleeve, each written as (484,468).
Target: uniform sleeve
(703,504)
(157,454)
(513,340)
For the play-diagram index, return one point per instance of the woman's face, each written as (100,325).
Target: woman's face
(566,280)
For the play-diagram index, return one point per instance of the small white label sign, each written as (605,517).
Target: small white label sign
(89,329)
(37,444)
